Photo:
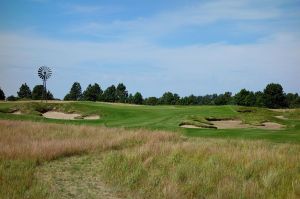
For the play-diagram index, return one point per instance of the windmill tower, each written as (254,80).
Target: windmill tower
(44,73)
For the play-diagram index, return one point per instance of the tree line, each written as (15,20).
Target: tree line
(25,93)
(272,96)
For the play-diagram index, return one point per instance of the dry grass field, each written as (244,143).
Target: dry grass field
(140,164)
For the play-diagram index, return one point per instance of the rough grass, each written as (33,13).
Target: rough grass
(141,163)
(26,145)
(207,168)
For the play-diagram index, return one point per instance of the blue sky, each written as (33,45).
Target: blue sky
(153,46)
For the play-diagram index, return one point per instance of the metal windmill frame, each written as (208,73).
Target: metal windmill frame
(44,73)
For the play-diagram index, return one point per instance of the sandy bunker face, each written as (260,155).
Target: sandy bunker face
(189,126)
(229,124)
(17,112)
(237,124)
(67,116)
(281,117)
(92,117)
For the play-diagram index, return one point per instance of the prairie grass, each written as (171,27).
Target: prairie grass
(143,163)
(26,145)
(207,168)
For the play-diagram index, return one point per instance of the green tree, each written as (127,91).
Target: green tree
(93,93)
(130,99)
(293,100)
(245,98)
(67,97)
(24,92)
(191,100)
(122,93)
(2,95)
(223,99)
(151,101)
(206,100)
(250,99)
(75,92)
(259,99)
(11,98)
(169,98)
(37,93)
(110,94)
(274,96)
(137,98)
(50,95)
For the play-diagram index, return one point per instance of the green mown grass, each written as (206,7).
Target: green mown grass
(166,118)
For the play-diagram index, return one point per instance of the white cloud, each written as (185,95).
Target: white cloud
(199,14)
(86,9)
(152,69)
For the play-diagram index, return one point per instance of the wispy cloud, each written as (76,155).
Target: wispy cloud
(131,51)
(224,66)
(197,15)
(73,8)
(39,1)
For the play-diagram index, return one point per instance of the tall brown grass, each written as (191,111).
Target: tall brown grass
(150,164)
(23,140)
(25,145)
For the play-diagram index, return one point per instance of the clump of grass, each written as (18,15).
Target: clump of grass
(198,121)
(217,118)
(242,109)
(197,124)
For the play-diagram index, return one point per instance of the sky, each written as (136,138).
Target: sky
(184,46)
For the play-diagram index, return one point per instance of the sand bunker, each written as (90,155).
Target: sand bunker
(189,126)
(92,117)
(271,126)
(60,115)
(238,124)
(230,124)
(281,117)
(68,116)
(17,112)
(283,110)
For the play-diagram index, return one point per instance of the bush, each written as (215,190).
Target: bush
(11,98)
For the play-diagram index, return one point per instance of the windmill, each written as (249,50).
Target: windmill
(44,73)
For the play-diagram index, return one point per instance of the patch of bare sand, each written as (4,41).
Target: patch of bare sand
(281,117)
(238,124)
(230,124)
(68,116)
(271,126)
(189,126)
(92,117)
(282,110)
(60,115)
(17,113)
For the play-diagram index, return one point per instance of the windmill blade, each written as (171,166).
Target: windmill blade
(44,72)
